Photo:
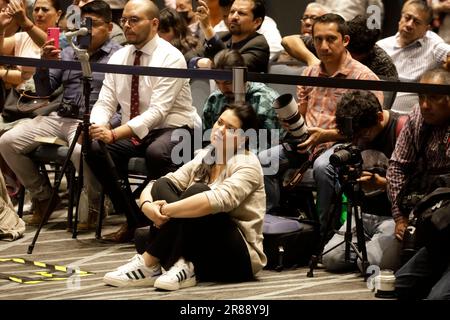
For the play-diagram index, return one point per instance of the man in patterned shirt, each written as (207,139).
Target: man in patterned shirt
(426,133)
(318,106)
(258,95)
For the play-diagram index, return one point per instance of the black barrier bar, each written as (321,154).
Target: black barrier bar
(398,86)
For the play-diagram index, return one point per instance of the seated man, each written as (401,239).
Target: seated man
(318,106)
(152,109)
(258,95)
(375,134)
(19,141)
(268,29)
(245,18)
(296,52)
(424,139)
(414,49)
(362,46)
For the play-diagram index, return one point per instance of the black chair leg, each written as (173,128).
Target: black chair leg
(21,201)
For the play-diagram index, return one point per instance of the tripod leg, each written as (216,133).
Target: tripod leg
(330,221)
(348,237)
(361,240)
(98,230)
(120,183)
(51,203)
(79,188)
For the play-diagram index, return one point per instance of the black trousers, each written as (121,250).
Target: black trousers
(156,147)
(212,243)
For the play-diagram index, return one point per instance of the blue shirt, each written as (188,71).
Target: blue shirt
(49,80)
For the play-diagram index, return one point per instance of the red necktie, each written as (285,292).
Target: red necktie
(134,104)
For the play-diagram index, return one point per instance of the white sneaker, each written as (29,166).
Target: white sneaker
(181,275)
(133,274)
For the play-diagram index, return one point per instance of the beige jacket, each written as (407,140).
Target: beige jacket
(240,192)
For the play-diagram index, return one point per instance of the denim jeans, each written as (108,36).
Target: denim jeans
(424,276)
(276,161)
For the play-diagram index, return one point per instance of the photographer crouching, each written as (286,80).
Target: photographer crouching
(365,162)
(422,155)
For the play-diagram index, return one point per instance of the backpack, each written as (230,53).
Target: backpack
(288,241)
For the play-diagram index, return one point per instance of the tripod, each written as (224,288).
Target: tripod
(353,191)
(83,127)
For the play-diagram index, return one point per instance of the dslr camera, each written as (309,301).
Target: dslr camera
(287,111)
(346,155)
(347,158)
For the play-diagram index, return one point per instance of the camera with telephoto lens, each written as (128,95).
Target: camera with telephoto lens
(287,111)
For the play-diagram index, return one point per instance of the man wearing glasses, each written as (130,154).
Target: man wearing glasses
(152,109)
(426,136)
(414,49)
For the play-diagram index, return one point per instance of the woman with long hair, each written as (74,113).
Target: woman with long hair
(27,43)
(207,216)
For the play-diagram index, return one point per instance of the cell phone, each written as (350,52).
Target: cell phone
(53,34)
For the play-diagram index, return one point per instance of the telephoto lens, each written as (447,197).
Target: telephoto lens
(287,111)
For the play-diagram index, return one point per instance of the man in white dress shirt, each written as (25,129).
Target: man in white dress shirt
(152,108)
(414,49)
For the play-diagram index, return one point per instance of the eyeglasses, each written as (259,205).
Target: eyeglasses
(313,18)
(417,22)
(132,21)
(433,99)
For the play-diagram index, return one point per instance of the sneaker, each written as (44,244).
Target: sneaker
(181,275)
(133,274)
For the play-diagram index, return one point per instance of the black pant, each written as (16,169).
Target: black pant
(156,147)
(212,243)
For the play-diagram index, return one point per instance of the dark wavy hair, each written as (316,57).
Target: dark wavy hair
(247,116)
(342,27)
(98,8)
(361,106)
(362,39)
(170,19)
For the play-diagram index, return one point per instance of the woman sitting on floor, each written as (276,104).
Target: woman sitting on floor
(207,216)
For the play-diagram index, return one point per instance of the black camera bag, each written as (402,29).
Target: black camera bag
(288,241)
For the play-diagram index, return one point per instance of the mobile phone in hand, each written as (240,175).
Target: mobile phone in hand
(53,34)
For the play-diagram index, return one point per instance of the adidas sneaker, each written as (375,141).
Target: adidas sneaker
(133,274)
(181,275)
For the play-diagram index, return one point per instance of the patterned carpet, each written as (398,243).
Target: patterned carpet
(55,246)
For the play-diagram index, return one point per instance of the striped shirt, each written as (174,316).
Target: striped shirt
(321,102)
(405,157)
(412,61)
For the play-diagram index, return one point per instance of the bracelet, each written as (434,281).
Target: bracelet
(27,29)
(142,204)
(114,136)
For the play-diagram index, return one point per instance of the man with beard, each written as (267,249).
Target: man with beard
(245,18)
(152,109)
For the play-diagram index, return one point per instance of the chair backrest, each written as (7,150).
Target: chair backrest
(200,90)
(389,96)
